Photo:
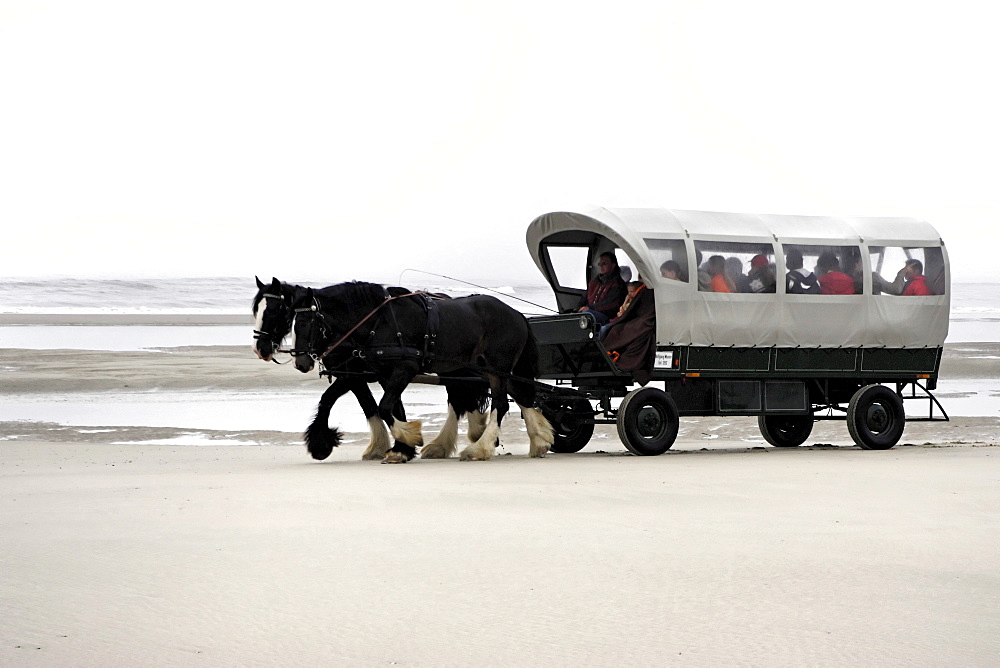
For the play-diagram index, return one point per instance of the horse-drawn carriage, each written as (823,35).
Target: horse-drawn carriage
(854,346)
(787,359)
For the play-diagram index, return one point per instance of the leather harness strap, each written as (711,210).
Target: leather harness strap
(430,337)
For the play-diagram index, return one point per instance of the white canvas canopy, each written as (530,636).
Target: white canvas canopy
(688,316)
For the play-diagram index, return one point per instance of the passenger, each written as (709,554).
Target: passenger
(894,287)
(605,292)
(704,278)
(832,281)
(856,270)
(916,284)
(671,269)
(799,281)
(734,269)
(717,270)
(633,288)
(631,338)
(761,278)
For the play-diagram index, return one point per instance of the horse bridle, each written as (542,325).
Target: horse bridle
(272,337)
(318,314)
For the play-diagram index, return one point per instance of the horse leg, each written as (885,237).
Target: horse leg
(540,432)
(320,439)
(477,424)
(462,398)
(406,435)
(378,442)
(444,444)
(485,446)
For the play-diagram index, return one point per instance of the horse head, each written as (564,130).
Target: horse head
(310,334)
(272,310)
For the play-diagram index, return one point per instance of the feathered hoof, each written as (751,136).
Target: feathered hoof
(379,443)
(436,450)
(408,433)
(476,453)
(393,457)
(540,433)
(400,454)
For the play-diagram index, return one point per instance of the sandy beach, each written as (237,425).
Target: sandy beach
(724,551)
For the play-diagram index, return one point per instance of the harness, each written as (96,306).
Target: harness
(398,351)
(366,354)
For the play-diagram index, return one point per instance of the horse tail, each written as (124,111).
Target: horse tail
(320,439)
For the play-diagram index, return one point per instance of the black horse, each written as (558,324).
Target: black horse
(400,336)
(274,310)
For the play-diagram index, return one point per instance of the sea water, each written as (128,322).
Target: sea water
(288,411)
(975,317)
(975,310)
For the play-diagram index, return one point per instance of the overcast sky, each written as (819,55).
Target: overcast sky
(336,140)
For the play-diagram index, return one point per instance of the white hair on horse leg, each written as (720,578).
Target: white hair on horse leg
(379,442)
(408,432)
(445,444)
(477,425)
(484,448)
(540,434)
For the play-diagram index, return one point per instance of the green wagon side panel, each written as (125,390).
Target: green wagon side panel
(575,360)
(562,329)
(815,359)
(917,360)
(728,359)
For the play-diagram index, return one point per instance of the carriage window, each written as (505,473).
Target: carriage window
(826,270)
(725,266)
(907,271)
(670,257)
(569,263)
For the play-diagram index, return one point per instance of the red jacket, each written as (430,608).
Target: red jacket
(836,283)
(917,286)
(605,294)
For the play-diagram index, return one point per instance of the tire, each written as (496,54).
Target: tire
(785,431)
(572,421)
(648,421)
(875,417)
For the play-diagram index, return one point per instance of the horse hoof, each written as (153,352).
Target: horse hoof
(435,450)
(395,458)
(370,456)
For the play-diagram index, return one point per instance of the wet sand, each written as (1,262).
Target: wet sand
(722,551)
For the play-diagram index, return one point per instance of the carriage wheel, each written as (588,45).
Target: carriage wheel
(875,417)
(785,431)
(572,422)
(648,421)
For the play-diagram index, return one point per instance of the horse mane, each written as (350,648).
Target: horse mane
(259,297)
(357,293)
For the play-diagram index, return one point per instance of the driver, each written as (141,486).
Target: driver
(605,292)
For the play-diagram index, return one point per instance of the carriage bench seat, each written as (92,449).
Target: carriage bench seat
(568,348)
